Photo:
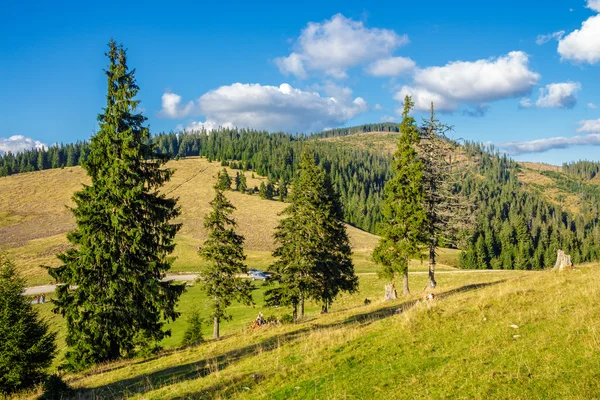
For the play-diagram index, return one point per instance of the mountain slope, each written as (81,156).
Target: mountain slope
(34,218)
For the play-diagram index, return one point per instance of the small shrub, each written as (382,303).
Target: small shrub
(193,333)
(287,319)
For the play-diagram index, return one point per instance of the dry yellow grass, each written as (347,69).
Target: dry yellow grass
(34,218)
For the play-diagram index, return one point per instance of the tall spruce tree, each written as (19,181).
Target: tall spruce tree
(404,218)
(314,254)
(225,253)
(27,347)
(243,185)
(223,180)
(123,236)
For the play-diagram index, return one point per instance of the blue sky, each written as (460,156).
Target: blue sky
(306,66)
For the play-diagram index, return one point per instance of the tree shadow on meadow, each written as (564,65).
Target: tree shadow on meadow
(201,368)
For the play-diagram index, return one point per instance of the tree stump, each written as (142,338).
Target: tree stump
(390,292)
(563,261)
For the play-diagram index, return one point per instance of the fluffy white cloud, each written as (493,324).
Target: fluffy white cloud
(541,39)
(277,108)
(18,143)
(558,95)
(542,145)
(589,125)
(172,107)
(583,45)
(471,82)
(378,107)
(423,99)
(337,44)
(592,106)
(593,5)
(392,66)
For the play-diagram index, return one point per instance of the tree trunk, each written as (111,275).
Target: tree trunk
(302,306)
(216,328)
(295,312)
(390,292)
(432,283)
(405,282)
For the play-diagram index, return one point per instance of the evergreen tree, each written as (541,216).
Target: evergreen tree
(123,236)
(404,216)
(242,186)
(26,346)
(225,253)
(314,255)
(223,180)
(237,181)
(283,189)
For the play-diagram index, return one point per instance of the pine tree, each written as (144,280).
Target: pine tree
(223,180)
(283,189)
(27,347)
(225,253)
(314,255)
(403,213)
(237,181)
(243,186)
(123,236)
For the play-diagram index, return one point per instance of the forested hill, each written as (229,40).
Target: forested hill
(520,222)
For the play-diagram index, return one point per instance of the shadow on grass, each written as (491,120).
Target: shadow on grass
(198,369)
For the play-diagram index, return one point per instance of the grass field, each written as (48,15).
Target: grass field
(507,334)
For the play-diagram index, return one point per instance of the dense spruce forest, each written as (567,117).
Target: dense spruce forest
(513,228)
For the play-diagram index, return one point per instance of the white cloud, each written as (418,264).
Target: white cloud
(583,45)
(558,95)
(388,118)
(593,5)
(423,99)
(589,125)
(337,44)
(525,103)
(19,143)
(592,106)
(277,108)
(471,82)
(393,66)
(378,107)
(541,39)
(542,145)
(172,108)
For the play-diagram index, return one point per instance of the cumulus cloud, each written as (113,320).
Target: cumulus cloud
(583,45)
(378,107)
(558,95)
(471,82)
(525,103)
(593,5)
(541,39)
(172,107)
(18,143)
(393,66)
(277,108)
(337,44)
(542,145)
(589,125)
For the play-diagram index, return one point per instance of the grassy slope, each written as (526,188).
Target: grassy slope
(460,345)
(34,218)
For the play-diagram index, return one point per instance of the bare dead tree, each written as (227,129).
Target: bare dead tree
(448,211)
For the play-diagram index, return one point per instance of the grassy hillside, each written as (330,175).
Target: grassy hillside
(35,219)
(508,334)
